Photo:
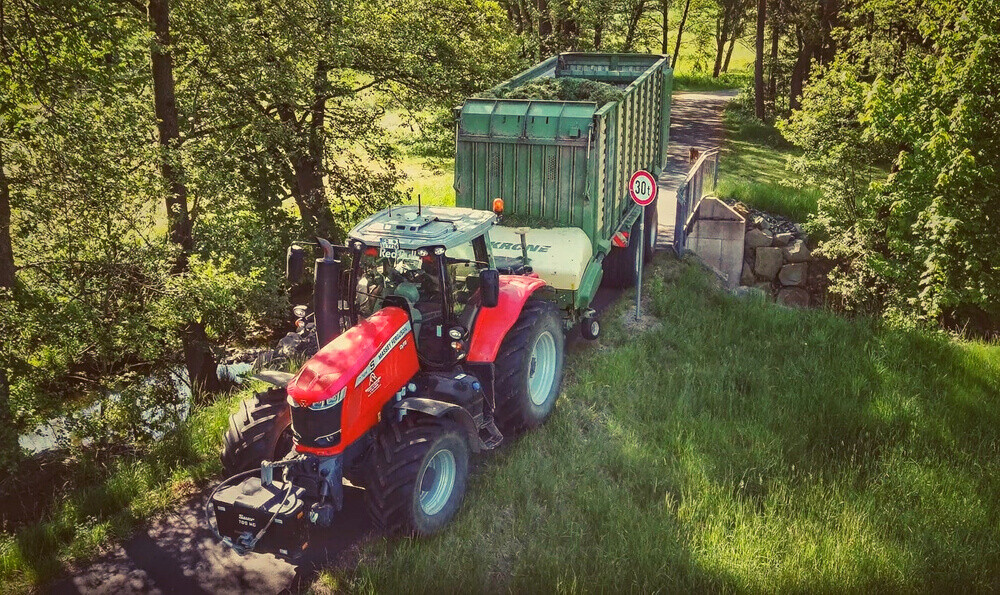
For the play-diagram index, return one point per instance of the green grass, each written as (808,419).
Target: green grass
(432,179)
(694,73)
(741,446)
(106,501)
(705,82)
(754,168)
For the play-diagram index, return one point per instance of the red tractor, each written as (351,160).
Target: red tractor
(431,349)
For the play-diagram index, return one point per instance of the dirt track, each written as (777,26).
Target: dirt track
(178,553)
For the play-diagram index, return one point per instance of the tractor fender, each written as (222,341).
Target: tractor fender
(451,411)
(492,324)
(273,377)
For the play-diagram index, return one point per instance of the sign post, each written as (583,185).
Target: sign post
(642,189)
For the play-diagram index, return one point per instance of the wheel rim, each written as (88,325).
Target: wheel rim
(437,481)
(542,369)
(595,328)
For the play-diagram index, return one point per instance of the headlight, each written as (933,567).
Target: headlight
(323,404)
(329,402)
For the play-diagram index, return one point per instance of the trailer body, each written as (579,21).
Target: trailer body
(566,164)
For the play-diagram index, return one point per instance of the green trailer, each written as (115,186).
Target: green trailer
(562,169)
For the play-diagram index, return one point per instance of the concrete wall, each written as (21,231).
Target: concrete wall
(716,236)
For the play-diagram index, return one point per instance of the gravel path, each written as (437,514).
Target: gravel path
(178,553)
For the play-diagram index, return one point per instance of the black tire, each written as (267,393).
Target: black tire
(516,366)
(619,264)
(652,232)
(260,429)
(399,465)
(590,328)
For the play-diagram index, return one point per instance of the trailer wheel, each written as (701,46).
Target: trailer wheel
(260,429)
(529,368)
(620,263)
(417,475)
(652,231)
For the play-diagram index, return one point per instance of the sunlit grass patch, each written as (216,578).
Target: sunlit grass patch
(754,168)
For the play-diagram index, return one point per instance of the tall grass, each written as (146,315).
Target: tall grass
(741,446)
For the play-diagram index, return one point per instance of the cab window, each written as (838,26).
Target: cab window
(463,264)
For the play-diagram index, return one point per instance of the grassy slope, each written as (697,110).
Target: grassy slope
(754,168)
(740,446)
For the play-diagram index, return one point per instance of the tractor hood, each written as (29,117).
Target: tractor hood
(337,395)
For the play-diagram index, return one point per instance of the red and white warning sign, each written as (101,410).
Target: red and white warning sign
(642,187)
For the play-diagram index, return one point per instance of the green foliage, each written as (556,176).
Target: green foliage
(921,239)
(739,447)
(280,110)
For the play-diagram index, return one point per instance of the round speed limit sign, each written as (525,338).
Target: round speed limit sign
(642,187)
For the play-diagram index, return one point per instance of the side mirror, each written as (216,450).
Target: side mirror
(489,285)
(295,264)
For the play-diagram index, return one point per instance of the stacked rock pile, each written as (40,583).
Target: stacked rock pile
(777,259)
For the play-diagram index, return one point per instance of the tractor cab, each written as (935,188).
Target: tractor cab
(434,262)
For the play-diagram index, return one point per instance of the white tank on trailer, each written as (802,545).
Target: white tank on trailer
(559,255)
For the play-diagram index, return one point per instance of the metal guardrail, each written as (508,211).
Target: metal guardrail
(691,192)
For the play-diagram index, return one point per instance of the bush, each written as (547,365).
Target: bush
(921,240)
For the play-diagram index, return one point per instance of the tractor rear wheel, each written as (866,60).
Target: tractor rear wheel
(261,429)
(529,368)
(417,475)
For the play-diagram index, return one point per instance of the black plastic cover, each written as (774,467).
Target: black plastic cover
(242,510)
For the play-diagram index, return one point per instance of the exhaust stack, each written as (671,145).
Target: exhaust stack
(326,295)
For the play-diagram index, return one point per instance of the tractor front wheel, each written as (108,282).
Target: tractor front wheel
(529,368)
(261,429)
(417,476)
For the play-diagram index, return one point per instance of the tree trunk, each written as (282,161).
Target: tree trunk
(598,34)
(198,357)
(569,30)
(800,73)
(721,35)
(772,86)
(633,25)
(665,13)
(7,269)
(758,68)
(8,436)
(729,52)
(544,28)
(680,31)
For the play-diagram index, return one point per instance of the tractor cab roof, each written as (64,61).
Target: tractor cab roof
(431,226)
